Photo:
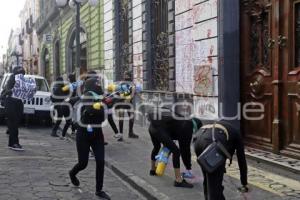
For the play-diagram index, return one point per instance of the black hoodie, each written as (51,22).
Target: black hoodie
(89,115)
(234,144)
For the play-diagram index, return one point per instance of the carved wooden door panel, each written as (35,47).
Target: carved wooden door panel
(259,71)
(289,44)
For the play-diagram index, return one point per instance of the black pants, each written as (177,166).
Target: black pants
(160,136)
(112,123)
(131,120)
(63,111)
(212,184)
(84,141)
(14,112)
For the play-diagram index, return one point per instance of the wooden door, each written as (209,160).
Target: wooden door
(259,71)
(289,44)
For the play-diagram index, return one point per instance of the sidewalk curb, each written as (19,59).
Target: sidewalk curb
(140,185)
(271,163)
(146,190)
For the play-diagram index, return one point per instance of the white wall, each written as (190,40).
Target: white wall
(137,26)
(108,39)
(196,29)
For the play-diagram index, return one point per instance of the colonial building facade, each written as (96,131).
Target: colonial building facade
(56,30)
(28,36)
(217,55)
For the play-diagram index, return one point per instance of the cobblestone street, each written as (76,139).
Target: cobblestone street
(41,172)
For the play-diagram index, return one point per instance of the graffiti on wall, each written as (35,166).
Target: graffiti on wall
(206,107)
(184,61)
(203,80)
(196,46)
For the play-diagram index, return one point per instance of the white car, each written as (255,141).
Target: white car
(40,105)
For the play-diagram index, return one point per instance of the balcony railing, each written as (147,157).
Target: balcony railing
(47,13)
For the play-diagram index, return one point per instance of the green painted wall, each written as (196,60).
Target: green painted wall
(92,22)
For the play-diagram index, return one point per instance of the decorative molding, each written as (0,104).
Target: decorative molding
(256,7)
(161,62)
(125,60)
(261,41)
(124,9)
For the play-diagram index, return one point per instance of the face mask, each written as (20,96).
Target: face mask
(96,96)
(195,126)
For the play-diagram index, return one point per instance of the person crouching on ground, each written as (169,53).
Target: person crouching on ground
(165,130)
(231,139)
(89,134)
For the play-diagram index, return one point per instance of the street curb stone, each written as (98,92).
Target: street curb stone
(148,191)
(272,163)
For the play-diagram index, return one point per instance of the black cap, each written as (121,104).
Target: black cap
(93,85)
(18,70)
(72,77)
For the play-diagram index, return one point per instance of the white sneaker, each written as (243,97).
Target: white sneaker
(63,138)
(16,147)
(118,136)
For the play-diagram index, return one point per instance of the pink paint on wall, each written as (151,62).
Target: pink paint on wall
(203,80)
(183,5)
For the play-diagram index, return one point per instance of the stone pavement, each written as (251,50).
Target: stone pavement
(41,172)
(131,159)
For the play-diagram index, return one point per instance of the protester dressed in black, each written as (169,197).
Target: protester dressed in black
(14,110)
(71,101)
(61,108)
(90,135)
(213,188)
(164,129)
(110,100)
(126,105)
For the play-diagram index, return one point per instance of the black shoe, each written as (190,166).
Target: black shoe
(74,179)
(16,147)
(133,136)
(105,143)
(7,132)
(102,195)
(54,134)
(183,184)
(152,173)
(120,139)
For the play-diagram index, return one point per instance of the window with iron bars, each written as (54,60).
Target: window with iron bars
(160,46)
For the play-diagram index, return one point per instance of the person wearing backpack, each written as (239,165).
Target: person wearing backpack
(164,128)
(89,133)
(224,140)
(13,109)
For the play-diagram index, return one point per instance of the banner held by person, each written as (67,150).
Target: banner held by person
(25,87)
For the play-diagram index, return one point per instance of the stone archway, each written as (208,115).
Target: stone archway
(71,51)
